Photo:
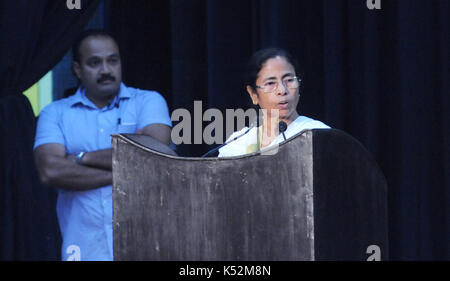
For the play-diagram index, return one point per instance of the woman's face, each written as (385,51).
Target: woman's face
(282,98)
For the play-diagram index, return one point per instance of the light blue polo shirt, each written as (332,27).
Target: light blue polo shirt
(85,217)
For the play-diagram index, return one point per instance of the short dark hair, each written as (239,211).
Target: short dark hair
(88,33)
(259,58)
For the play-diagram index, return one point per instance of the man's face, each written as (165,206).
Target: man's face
(99,69)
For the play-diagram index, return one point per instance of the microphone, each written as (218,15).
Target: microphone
(282,126)
(254,124)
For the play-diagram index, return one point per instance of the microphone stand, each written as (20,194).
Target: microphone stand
(282,126)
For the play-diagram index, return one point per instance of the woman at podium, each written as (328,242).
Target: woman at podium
(273,85)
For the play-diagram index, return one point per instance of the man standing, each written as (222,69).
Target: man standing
(73,143)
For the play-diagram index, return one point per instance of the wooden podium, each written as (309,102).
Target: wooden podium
(319,197)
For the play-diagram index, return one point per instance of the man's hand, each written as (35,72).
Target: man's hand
(71,158)
(59,170)
(100,159)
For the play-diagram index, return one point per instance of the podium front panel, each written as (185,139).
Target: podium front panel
(256,207)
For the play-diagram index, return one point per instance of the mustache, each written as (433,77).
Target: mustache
(106,77)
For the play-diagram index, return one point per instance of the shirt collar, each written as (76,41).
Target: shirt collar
(80,97)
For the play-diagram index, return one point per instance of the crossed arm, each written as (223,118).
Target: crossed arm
(57,169)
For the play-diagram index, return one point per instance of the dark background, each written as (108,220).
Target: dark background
(380,75)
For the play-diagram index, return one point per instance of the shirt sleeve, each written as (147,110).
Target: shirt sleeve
(48,128)
(153,110)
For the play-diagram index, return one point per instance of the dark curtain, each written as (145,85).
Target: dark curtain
(34,37)
(380,75)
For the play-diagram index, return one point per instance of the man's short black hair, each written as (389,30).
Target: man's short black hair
(88,33)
